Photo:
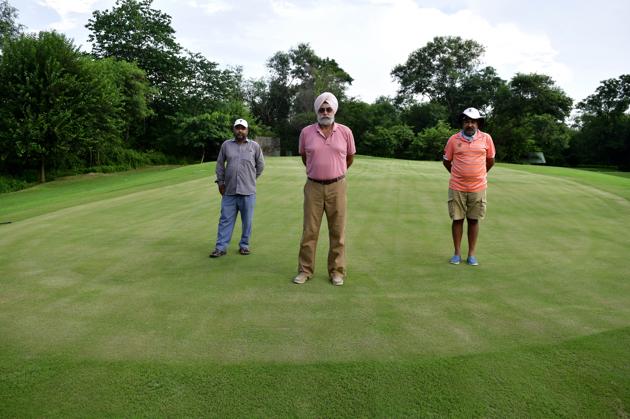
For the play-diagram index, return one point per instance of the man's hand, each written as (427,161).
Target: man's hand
(222,189)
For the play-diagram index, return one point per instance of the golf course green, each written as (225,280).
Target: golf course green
(110,306)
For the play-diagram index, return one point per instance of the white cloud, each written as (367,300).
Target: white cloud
(211,7)
(68,11)
(65,7)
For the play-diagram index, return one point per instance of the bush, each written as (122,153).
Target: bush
(8,184)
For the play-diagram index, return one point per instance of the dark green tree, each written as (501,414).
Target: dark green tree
(423,115)
(295,78)
(185,85)
(9,28)
(446,71)
(134,32)
(529,115)
(604,137)
(57,103)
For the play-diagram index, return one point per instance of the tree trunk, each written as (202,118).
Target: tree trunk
(42,171)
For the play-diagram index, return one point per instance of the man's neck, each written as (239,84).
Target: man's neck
(326,129)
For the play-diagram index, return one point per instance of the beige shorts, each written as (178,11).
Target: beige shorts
(470,205)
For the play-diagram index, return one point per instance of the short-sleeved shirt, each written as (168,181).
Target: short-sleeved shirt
(239,165)
(468,161)
(326,157)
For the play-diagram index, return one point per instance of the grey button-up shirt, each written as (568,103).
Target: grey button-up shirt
(239,165)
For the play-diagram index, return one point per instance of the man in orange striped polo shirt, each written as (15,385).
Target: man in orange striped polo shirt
(468,156)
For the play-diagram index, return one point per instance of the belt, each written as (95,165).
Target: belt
(328,181)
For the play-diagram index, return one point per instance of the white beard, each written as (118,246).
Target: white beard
(325,120)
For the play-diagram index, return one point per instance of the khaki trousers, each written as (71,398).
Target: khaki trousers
(320,199)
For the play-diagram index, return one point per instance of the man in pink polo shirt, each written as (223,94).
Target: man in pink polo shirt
(327,149)
(468,156)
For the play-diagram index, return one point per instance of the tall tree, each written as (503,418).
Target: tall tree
(56,102)
(185,85)
(446,71)
(604,137)
(529,115)
(9,28)
(134,32)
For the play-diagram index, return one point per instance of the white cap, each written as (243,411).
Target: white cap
(473,113)
(240,122)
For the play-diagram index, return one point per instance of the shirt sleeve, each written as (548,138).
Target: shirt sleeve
(448,150)
(260,161)
(301,149)
(220,169)
(351,147)
(491,152)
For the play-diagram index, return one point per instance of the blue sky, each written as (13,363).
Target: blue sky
(577,43)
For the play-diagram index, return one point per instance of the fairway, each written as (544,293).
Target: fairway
(110,306)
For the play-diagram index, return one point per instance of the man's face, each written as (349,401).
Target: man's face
(325,114)
(240,132)
(470,126)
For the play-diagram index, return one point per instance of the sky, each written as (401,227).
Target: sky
(578,43)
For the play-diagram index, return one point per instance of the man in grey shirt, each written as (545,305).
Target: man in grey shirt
(239,164)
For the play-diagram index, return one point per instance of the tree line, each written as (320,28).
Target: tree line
(138,97)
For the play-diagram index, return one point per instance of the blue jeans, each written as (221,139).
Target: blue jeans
(230,206)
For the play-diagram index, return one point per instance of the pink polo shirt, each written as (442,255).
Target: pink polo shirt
(468,158)
(326,157)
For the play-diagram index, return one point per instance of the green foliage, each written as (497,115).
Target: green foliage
(604,136)
(446,71)
(51,98)
(134,32)
(185,85)
(9,28)
(424,115)
(529,115)
(431,142)
(391,141)
(296,78)
(61,107)
(9,184)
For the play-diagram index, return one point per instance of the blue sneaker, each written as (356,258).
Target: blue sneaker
(455,260)
(472,261)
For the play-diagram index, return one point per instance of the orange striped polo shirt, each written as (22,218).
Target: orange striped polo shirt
(468,158)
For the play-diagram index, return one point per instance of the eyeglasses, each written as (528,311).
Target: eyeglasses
(325,110)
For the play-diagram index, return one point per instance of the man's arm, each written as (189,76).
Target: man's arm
(220,170)
(349,160)
(489,163)
(448,164)
(260,162)
(304,159)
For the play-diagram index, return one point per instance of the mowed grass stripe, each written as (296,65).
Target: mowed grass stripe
(585,377)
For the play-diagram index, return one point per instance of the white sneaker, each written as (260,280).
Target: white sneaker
(301,278)
(336,279)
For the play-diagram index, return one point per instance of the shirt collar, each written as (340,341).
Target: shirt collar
(466,137)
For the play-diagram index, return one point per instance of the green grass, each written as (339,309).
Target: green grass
(109,305)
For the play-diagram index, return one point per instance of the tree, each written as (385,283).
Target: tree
(424,115)
(57,103)
(9,28)
(134,32)
(61,107)
(529,115)
(184,84)
(296,77)
(446,71)
(604,137)
(430,143)
(387,141)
